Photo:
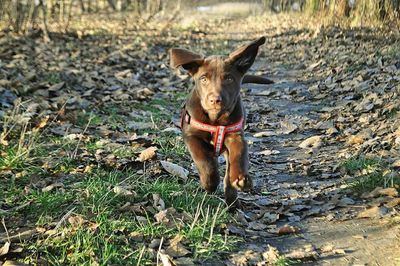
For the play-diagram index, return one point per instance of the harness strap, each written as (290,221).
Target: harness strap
(218,131)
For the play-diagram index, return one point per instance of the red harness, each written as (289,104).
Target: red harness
(218,131)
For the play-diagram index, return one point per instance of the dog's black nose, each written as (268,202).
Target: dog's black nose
(214,100)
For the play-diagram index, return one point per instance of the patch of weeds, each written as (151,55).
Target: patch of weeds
(17,154)
(124,152)
(113,118)
(64,165)
(353,165)
(171,145)
(53,78)
(93,146)
(85,118)
(392,113)
(393,51)
(369,174)
(283,261)
(48,205)
(354,67)
(11,159)
(104,236)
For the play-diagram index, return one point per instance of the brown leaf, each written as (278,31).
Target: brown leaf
(147,154)
(175,248)
(43,122)
(122,191)
(56,86)
(166,259)
(327,248)
(4,249)
(288,229)
(374,212)
(14,263)
(391,192)
(76,221)
(175,170)
(271,255)
(52,186)
(393,203)
(158,202)
(312,142)
(301,255)
(184,261)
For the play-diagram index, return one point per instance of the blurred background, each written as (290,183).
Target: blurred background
(22,16)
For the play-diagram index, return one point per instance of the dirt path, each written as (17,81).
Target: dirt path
(302,187)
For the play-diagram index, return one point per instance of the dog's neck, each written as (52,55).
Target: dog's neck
(221,119)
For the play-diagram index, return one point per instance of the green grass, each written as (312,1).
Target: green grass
(105,235)
(369,174)
(353,165)
(282,261)
(393,51)
(171,145)
(33,159)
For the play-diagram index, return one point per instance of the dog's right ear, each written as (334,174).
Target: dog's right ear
(187,59)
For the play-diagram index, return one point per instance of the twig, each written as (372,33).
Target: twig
(81,136)
(141,255)
(159,249)
(5,228)
(65,217)
(213,225)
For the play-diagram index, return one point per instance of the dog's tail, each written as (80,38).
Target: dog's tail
(256,79)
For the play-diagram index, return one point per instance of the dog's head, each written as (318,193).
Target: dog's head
(217,78)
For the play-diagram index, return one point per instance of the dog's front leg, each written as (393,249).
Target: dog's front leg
(205,161)
(237,176)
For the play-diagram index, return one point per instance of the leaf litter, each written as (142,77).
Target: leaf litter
(343,104)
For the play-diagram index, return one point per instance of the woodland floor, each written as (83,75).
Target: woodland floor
(78,112)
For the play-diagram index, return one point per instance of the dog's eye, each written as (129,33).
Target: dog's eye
(228,79)
(203,79)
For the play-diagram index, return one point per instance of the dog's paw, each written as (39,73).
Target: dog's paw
(242,183)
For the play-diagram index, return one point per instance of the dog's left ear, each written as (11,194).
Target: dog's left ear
(244,56)
(187,59)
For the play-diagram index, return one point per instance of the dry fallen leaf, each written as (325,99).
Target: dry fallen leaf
(176,248)
(56,86)
(166,259)
(312,142)
(158,202)
(147,154)
(52,186)
(4,249)
(391,192)
(14,263)
(264,134)
(76,221)
(121,191)
(393,203)
(303,253)
(271,255)
(374,212)
(175,170)
(268,152)
(287,229)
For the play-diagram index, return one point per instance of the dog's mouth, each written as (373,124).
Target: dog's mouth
(215,109)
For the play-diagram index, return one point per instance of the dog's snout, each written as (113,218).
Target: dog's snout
(215,99)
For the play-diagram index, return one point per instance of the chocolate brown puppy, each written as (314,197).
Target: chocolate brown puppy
(213,116)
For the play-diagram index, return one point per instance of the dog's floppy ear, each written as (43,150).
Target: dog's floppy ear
(187,59)
(244,56)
